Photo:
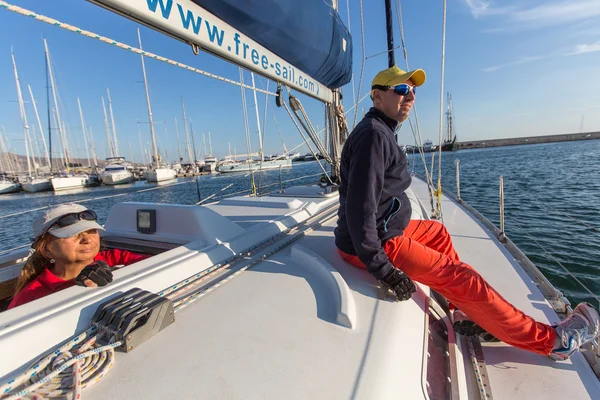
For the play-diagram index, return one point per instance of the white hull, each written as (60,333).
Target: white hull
(160,175)
(37,185)
(117,178)
(9,187)
(72,182)
(254,166)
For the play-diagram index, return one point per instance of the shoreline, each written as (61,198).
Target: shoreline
(565,137)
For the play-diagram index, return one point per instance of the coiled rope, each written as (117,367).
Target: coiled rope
(71,28)
(66,371)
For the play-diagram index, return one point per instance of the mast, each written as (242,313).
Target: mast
(187,135)
(23,115)
(87,151)
(107,129)
(112,121)
(210,144)
(204,142)
(148,103)
(48,112)
(193,141)
(450,133)
(178,146)
(141,145)
(37,116)
(93,145)
(260,139)
(56,111)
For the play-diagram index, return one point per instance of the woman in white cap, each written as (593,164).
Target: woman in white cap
(67,252)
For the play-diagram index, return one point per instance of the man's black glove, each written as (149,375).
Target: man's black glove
(399,283)
(99,272)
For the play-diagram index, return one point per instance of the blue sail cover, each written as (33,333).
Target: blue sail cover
(308,34)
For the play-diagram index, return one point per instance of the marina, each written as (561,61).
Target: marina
(223,276)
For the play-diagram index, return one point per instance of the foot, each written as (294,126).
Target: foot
(466,327)
(579,328)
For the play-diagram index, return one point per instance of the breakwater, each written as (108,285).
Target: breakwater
(567,137)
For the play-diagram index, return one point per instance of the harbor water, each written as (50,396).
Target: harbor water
(551,201)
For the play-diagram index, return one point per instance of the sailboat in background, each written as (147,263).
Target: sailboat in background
(32,182)
(68,179)
(450,143)
(158,172)
(117,169)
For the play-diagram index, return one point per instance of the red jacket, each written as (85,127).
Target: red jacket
(47,283)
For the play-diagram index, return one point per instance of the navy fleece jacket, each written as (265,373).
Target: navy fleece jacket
(373,205)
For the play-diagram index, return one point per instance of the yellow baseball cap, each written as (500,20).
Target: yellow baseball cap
(394,76)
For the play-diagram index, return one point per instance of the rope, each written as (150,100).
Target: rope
(306,141)
(123,46)
(362,65)
(70,368)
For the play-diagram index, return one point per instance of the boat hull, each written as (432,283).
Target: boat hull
(72,182)
(247,167)
(37,185)
(160,175)
(9,187)
(119,178)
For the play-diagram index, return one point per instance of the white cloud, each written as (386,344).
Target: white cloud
(585,48)
(578,49)
(542,14)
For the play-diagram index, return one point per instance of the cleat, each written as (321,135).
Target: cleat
(579,328)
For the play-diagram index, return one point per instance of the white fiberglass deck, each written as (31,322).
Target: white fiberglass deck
(514,373)
(301,324)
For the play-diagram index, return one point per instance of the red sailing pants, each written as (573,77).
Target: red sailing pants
(425,253)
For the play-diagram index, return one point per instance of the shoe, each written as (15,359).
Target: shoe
(464,326)
(579,328)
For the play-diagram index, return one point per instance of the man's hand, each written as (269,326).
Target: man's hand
(400,284)
(96,274)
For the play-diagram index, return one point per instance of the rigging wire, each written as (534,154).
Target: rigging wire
(438,192)
(553,258)
(419,142)
(51,21)
(362,65)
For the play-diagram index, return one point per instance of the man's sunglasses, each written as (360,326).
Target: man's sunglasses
(70,219)
(402,89)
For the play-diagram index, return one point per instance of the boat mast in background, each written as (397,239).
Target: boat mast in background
(23,116)
(87,151)
(187,135)
(37,116)
(61,132)
(112,122)
(154,151)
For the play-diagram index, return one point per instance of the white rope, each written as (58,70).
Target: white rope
(362,65)
(66,370)
(123,46)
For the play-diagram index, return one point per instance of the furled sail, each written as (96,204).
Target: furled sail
(303,45)
(308,34)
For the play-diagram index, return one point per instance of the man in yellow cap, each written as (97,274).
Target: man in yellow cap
(375,232)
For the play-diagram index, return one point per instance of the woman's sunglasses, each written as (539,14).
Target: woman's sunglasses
(70,219)
(402,89)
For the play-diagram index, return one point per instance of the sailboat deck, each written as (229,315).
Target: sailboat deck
(514,373)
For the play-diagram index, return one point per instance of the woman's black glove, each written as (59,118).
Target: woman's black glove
(400,284)
(98,272)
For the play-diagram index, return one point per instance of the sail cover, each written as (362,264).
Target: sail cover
(308,34)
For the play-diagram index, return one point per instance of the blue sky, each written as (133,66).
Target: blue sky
(514,68)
